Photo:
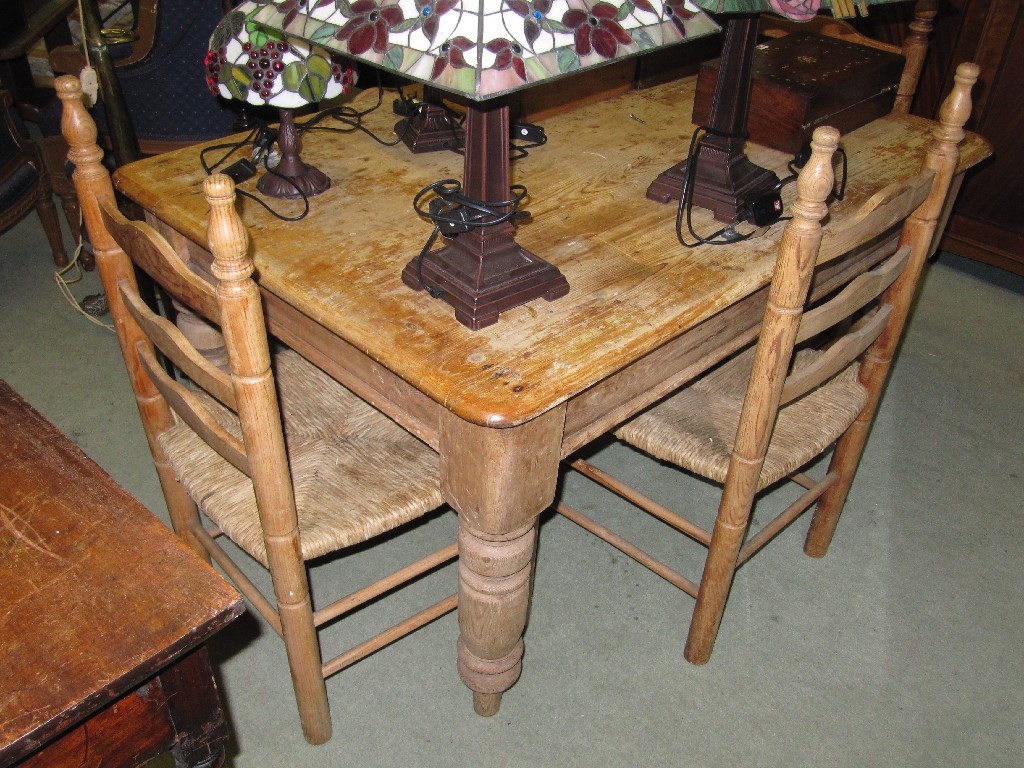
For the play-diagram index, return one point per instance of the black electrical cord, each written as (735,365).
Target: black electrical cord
(234,147)
(685,208)
(454,213)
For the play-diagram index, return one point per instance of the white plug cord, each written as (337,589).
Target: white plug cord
(64,283)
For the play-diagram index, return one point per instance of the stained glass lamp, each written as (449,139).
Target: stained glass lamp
(261,66)
(724,179)
(482,50)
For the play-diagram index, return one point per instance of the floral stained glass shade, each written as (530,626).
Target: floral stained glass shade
(260,66)
(484,48)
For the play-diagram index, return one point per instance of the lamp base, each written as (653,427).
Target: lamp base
(725,179)
(430,130)
(292,178)
(481,282)
(309,180)
(723,182)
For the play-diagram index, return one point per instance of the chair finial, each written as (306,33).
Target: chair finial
(228,237)
(817,177)
(956,108)
(77,125)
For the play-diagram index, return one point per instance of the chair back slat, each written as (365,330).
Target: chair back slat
(886,209)
(173,344)
(863,289)
(150,252)
(185,404)
(838,356)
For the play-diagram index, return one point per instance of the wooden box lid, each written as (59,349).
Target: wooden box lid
(804,80)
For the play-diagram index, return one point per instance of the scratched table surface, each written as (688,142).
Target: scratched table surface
(98,595)
(632,286)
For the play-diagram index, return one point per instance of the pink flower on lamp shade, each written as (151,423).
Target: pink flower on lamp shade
(797,10)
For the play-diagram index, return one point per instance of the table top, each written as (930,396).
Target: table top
(633,287)
(99,595)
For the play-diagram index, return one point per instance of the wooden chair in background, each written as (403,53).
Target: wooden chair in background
(288,474)
(23,180)
(764,414)
(914,48)
(153,96)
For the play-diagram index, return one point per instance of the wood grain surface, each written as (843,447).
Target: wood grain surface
(632,286)
(98,593)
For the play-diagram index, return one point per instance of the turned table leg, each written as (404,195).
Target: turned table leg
(499,481)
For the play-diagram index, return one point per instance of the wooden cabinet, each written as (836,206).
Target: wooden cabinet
(987,223)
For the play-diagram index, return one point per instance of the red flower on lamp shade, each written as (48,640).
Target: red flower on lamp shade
(507,55)
(430,12)
(452,55)
(534,13)
(679,13)
(798,10)
(370,26)
(596,30)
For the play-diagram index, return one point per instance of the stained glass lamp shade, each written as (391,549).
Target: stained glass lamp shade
(482,50)
(261,66)
(724,180)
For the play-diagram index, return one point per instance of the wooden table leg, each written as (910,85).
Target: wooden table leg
(499,481)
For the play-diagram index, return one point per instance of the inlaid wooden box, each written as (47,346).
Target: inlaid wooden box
(803,80)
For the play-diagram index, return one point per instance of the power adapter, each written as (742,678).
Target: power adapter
(455,217)
(263,142)
(240,170)
(763,210)
(528,132)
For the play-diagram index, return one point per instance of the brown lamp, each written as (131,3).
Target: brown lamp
(483,51)
(260,66)
(722,178)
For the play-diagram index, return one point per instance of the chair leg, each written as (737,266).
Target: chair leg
(716,581)
(844,464)
(55,154)
(303,649)
(181,508)
(51,224)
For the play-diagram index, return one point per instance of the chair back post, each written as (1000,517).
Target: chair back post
(96,193)
(915,49)
(918,233)
(248,351)
(919,230)
(791,281)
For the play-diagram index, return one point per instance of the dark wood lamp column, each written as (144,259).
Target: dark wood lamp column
(484,272)
(724,176)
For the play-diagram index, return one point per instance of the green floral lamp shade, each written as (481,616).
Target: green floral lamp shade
(261,66)
(484,48)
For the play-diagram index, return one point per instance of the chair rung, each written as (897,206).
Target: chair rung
(389,636)
(240,580)
(650,506)
(788,515)
(672,577)
(396,579)
(806,481)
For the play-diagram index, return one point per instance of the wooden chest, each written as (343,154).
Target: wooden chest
(803,80)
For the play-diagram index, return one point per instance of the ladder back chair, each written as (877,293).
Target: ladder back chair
(282,460)
(23,180)
(914,48)
(813,379)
